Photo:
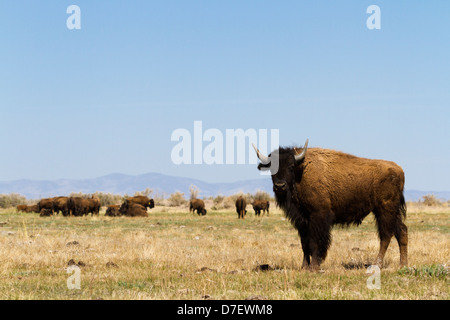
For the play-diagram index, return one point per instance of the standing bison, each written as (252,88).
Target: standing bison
(199,205)
(261,205)
(61,204)
(241,204)
(318,188)
(78,206)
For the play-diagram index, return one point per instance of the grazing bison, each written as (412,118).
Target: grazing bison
(46,203)
(78,206)
(92,205)
(133,209)
(199,205)
(143,201)
(113,211)
(61,204)
(46,212)
(241,204)
(32,208)
(22,207)
(318,188)
(261,205)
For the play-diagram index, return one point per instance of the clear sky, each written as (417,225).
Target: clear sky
(106,98)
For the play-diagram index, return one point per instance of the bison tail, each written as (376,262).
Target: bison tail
(403,207)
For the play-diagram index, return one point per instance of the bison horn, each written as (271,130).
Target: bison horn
(264,159)
(301,156)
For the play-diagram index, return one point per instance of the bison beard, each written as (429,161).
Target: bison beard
(320,188)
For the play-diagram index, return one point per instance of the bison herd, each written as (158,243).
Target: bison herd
(132,207)
(78,206)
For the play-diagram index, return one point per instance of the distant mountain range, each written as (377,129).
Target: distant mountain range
(162,185)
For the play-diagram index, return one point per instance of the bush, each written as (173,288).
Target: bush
(261,195)
(147,193)
(106,199)
(194,191)
(11,200)
(430,200)
(176,199)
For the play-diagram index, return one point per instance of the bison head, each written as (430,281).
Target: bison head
(282,164)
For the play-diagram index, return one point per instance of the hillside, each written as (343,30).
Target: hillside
(161,184)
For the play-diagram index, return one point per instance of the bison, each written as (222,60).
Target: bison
(46,203)
(241,204)
(199,205)
(261,205)
(61,204)
(46,212)
(143,201)
(318,188)
(92,205)
(22,207)
(78,206)
(113,211)
(133,209)
(32,208)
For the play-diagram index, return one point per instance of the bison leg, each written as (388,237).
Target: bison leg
(401,234)
(306,251)
(390,225)
(319,240)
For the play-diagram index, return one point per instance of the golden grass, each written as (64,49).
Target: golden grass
(176,255)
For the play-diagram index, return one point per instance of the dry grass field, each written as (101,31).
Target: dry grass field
(175,255)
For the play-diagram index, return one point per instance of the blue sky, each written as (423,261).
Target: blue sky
(106,98)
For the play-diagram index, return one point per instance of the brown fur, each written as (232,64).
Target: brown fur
(46,213)
(261,205)
(32,208)
(199,205)
(61,204)
(22,207)
(113,211)
(143,201)
(132,209)
(78,206)
(46,203)
(329,187)
(241,204)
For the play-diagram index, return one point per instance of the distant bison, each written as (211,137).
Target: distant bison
(132,209)
(78,206)
(199,205)
(143,201)
(32,208)
(22,207)
(113,211)
(46,212)
(61,204)
(241,205)
(46,203)
(261,205)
